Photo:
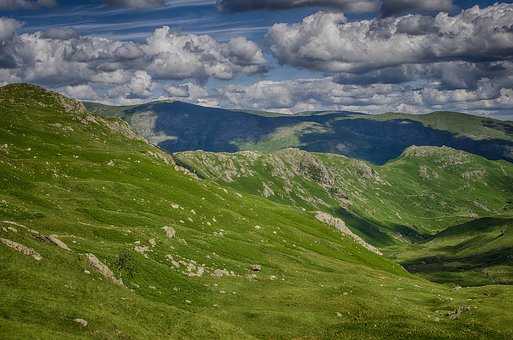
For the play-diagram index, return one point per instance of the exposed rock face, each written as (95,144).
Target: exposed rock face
(102,268)
(70,105)
(474,175)
(340,225)
(427,173)
(443,156)
(21,249)
(267,191)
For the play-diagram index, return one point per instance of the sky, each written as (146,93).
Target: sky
(371,56)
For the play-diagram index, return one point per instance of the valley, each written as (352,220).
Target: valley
(105,235)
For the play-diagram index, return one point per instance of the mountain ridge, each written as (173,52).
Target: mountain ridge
(180,126)
(84,205)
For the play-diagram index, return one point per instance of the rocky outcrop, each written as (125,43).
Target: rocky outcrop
(340,225)
(20,248)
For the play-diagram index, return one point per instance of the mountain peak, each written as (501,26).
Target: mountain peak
(30,94)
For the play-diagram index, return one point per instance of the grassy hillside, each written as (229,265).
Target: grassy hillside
(178,126)
(414,199)
(427,189)
(237,262)
(477,252)
(459,123)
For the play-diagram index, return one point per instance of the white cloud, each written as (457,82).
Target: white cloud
(328,42)
(8,28)
(83,92)
(181,56)
(325,94)
(61,57)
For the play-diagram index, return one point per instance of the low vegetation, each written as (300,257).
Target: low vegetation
(155,252)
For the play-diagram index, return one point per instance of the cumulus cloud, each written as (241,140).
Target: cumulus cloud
(448,75)
(180,56)
(60,57)
(358,6)
(396,7)
(82,92)
(26,4)
(328,42)
(135,3)
(8,28)
(316,94)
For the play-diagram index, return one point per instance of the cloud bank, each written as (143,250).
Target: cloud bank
(328,42)
(127,69)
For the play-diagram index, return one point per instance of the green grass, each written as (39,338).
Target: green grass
(397,207)
(101,190)
(458,123)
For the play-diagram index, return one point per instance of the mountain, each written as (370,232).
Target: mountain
(404,206)
(103,235)
(178,126)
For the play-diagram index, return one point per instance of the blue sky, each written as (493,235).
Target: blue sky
(327,61)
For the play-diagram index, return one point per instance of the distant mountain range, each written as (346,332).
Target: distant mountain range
(178,126)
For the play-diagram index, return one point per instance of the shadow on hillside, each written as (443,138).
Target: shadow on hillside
(381,141)
(372,231)
(220,130)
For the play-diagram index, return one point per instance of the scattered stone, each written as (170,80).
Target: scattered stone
(21,249)
(101,268)
(152,242)
(220,273)
(170,232)
(55,240)
(81,322)
(142,250)
(256,268)
(456,314)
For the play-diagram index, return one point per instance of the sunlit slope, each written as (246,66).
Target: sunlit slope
(228,265)
(425,190)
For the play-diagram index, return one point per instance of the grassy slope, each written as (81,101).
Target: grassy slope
(426,189)
(479,252)
(412,198)
(69,174)
(459,123)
